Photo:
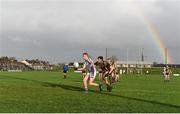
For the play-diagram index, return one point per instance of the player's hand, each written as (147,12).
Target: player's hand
(79,69)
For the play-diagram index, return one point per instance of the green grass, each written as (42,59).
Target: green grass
(48,92)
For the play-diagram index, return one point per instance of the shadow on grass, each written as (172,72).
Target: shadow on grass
(74,88)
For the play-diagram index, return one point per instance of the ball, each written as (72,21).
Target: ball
(76,64)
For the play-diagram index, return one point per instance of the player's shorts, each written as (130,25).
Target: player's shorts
(83,71)
(92,73)
(117,72)
(100,71)
(166,76)
(105,74)
(65,71)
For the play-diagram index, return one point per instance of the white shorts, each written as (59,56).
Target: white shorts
(92,74)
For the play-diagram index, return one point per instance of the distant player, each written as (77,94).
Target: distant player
(90,73)
(167,73)
(65,70)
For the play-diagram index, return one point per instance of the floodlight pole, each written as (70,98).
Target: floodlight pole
(142,60)
(166,56)
(127,60)
(106,53)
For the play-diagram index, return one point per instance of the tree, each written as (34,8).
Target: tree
(114,58)
(155,63)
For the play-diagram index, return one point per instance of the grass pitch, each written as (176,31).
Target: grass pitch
(49,92)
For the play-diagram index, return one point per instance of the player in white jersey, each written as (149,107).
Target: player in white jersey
(90,73)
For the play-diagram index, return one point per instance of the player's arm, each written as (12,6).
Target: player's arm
(96,63)
(111,69)
(83,68)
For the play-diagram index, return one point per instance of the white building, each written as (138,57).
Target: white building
(134,64)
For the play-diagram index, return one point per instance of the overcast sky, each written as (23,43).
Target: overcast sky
(60,30)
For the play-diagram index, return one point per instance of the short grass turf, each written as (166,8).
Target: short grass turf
(49,92)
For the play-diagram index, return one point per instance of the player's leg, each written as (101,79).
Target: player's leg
(111,81)
(65,74)
(100,76)
(85,79)
(91,81)
(103,78)
(114,77)
(117,77)
(106,78)
(168,77)
(83,74)
(102,81)
(92,78)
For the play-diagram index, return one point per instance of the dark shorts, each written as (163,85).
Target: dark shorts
(83,72)
(64,71)
(105,74)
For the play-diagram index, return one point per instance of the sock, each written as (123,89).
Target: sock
(86,89)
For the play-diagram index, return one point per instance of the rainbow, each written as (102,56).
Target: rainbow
(157,38)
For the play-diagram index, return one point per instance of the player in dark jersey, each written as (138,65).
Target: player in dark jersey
(98,65)
(115,72)
(167,73)
(105,69)
(65,70)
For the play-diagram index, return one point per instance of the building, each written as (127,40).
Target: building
(134,67)
(134,64)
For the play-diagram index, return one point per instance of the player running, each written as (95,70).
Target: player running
(167,72)
(114,73)
(98,65)
(106,70)
(65,70)
(90,73)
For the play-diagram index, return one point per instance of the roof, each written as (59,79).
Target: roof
(25,62)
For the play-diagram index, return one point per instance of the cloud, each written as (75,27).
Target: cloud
(66,25)
(24,41)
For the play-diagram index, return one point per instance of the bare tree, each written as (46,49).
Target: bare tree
(114,58)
